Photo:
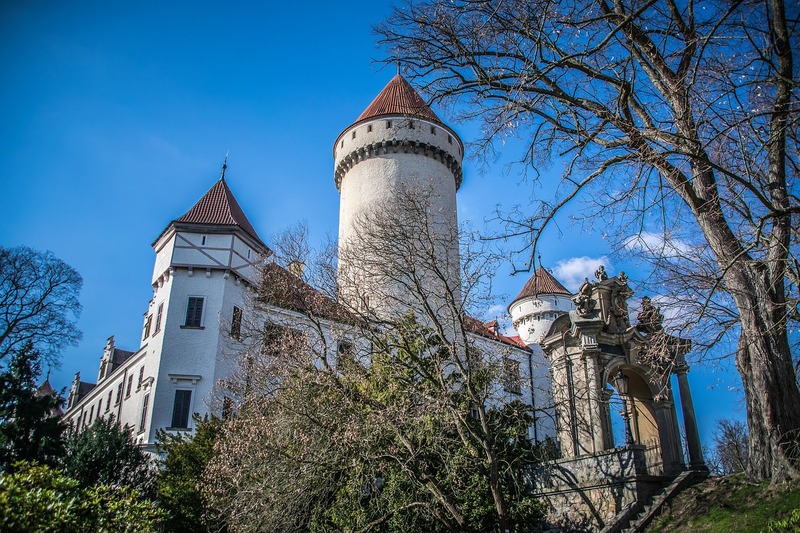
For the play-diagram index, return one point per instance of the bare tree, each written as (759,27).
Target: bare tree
(380,414)
(730,446)
(38,302)
(676,120)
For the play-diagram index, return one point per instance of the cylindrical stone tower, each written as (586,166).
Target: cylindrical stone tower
(397,168)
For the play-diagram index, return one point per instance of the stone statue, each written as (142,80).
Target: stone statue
(649,319)
(600,273)
(584,303)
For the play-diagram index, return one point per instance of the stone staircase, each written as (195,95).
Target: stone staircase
(635,517)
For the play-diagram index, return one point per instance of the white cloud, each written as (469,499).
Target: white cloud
(658,244)
(496,311)
(571,272)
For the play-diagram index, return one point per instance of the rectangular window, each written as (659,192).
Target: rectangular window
(130,386)
(180,409)
(158,317)
(236,323)
(279,339)
(91,413)
(345,349)
(119,393)
(148,322)
(108,401)
(141,378)
(511,379)
(227,408)
(99,406)
(194,312)
(143,420)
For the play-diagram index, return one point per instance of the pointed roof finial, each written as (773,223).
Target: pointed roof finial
(224,166)
(398,66)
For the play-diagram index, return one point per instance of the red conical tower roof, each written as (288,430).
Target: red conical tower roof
(219,207)
(542,282)
(398,98)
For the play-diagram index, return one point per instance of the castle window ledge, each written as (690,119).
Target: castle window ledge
(177,378)
(178,430)
(193,327)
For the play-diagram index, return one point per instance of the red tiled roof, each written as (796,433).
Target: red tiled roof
(219,207)
(476,326)
(398,98)
(542,282)
(281,288)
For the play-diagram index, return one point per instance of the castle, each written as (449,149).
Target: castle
(570,348)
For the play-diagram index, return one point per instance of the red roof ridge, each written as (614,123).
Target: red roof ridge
(541,282)
(218,206)
(398,98)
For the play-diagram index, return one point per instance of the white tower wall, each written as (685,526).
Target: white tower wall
(380,164)
(533,316)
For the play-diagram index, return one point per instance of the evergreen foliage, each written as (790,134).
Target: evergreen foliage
(183,459)
(30,426)
(104,453)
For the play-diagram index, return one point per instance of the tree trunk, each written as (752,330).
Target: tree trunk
(764,362)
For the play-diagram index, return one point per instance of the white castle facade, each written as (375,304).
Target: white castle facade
(208,262)
(572,354)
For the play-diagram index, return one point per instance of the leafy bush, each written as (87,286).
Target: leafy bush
(40,498)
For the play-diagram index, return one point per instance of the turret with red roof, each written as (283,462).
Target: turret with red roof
(539,303)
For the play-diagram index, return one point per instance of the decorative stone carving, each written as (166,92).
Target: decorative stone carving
(589,341)
(649,319)
(584,303)
(600,273)
(618,316)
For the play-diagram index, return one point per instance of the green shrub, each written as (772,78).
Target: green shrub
(42,499)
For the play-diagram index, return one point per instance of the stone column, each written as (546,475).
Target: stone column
(696,461)
(608,435)
(595,398)
(668,436)
(564,408)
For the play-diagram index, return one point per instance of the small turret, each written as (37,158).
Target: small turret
(539,303)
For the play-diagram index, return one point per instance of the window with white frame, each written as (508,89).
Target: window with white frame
(143,419)
(236,323)
(148,322)
(181,408)
(159,316)
(511,378)
(194,312)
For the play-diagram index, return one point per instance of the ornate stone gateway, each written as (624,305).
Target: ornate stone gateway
(596,354)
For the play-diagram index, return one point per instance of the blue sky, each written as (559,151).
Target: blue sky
(117,116)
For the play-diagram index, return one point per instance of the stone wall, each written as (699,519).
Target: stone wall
(586,493)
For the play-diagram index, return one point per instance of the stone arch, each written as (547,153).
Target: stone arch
(651,417)
(640,403)
(641,408)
